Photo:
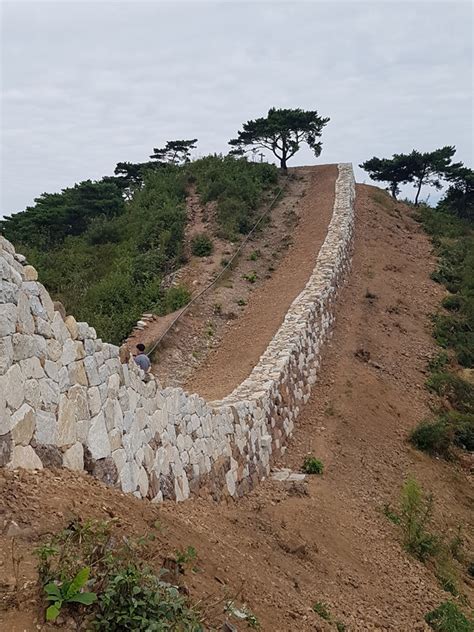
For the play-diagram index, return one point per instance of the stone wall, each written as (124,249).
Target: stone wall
(66,399)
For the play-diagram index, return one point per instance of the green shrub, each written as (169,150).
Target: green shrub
(435,437)
(436,364)
(454,242)
(238,187)
(415,515)
(126,594)
(175,298)
(137,600)
(463,428)
(201,245)
(448,617)
(311,465)
(104,256)
(453,302)
(457,391)
(68,592)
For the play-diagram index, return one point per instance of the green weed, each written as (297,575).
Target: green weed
(415,515)
(251,277)
(321,608)
(448,617)
(67,592)
(312,465)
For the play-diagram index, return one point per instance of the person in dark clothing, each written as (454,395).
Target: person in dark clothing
(141,359)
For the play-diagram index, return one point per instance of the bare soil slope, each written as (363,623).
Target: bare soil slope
(248,337)
(284,547)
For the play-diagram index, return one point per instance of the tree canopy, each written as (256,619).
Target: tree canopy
(427,168)
(459,198)
(55,216)
(282,132)
(175,152)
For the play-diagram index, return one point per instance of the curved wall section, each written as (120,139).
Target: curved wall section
(67,400)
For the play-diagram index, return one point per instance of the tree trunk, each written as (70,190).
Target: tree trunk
(393,190)
(283,164)
(418,191)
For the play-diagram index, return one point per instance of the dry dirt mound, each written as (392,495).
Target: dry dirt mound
(286,546)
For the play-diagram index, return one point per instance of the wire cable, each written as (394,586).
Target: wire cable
(221,273)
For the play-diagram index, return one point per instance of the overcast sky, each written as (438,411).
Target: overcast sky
(88,84)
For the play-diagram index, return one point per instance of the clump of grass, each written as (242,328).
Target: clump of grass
(448,617)
(321,608)
(251,277)
(241,302)
(256,254)
(391,514)
(312,465)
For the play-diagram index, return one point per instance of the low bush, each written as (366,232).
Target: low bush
(448,617)
(453,302)
(458,392)
(434,437)
(439,362)
(201,245)
(415,515)
(137,600)
(174,298)
(104,585)
(312,465)
(453,238)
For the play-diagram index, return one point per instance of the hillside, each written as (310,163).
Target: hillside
(286,546)
(105,248)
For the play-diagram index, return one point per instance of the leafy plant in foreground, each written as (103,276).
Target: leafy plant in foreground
(68,592)
(136,600)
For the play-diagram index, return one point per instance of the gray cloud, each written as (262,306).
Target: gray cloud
(86,85)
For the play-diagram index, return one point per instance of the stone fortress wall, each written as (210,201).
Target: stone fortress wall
(66,399)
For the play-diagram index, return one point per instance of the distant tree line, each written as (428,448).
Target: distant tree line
(427,168)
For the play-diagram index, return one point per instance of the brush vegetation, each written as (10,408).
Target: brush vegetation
(103,248)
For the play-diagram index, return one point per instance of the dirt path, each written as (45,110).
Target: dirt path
(233,360)
(283,548)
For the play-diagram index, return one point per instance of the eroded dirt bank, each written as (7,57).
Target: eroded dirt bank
(283,548)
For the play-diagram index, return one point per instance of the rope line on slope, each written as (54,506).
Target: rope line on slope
(221,273)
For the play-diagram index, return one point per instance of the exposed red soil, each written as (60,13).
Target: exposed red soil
(282,548)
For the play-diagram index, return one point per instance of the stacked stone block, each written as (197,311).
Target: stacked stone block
(66,399)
